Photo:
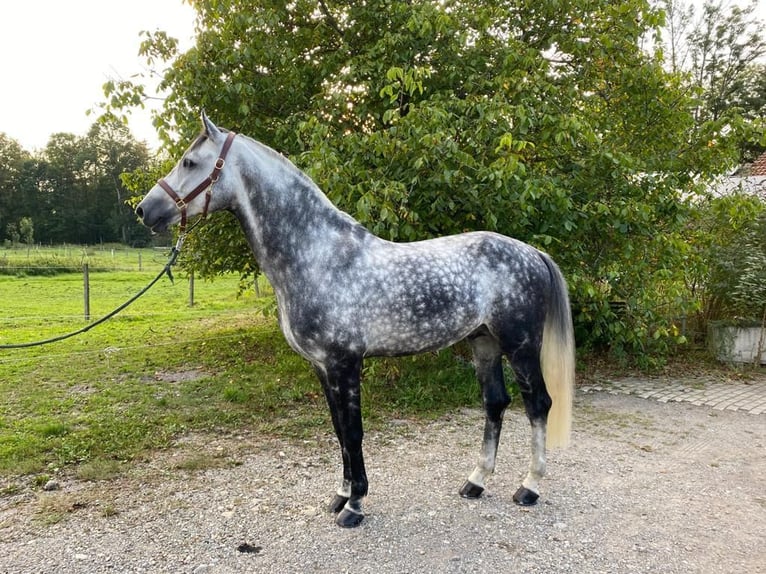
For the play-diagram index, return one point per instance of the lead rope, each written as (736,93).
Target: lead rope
(174,252)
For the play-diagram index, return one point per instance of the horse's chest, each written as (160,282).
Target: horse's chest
(314,328)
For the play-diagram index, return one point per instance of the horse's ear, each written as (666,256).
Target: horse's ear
(210,128)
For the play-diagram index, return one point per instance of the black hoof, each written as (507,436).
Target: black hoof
(349,519)
(471,490)
(525,497)
(337,504)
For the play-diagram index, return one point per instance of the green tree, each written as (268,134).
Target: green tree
(722,233)
(12,233)
(725,43)
(73,189)
(13,159)
(546,121)
(26,230)
(721,49)
(112,151)
(81,196)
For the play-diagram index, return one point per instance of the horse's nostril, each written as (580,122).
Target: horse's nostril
(140,212)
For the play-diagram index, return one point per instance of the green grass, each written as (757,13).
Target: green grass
(160,369)
(51,260)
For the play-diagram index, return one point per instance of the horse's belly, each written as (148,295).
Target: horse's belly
(411,333)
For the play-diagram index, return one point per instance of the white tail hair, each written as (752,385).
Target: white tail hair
(557,359)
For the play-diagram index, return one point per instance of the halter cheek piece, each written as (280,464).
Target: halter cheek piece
(206,185)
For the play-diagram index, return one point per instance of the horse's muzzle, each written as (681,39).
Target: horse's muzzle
(156,213)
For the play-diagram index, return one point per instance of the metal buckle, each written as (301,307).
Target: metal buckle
(180,204)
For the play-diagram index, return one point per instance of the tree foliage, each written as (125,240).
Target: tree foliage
(14,164)
(72,191)
(721,49)
(724,233)
(725,44)
(544,120)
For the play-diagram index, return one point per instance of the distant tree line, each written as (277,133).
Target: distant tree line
(71,191)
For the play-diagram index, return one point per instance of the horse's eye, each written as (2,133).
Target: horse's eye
(187,163)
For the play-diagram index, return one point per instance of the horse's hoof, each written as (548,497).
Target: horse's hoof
(471,490)
(337,504)
(349,519)
(525,497)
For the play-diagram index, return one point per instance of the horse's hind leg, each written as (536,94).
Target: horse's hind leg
(537,402)
(487,359)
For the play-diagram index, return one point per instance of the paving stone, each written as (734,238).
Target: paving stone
(749,398)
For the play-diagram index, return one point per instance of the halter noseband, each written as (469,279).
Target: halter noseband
(206,185)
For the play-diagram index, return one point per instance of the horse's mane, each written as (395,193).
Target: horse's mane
(281,158)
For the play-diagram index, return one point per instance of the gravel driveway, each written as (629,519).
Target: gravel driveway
(645,487)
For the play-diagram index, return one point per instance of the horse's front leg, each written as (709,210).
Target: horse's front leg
(340,380)
(344,490)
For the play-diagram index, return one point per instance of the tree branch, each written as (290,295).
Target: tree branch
(333,23)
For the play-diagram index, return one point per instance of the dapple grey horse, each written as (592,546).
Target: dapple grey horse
(344,294)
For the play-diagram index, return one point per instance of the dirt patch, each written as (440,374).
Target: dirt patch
(646,487)
(185,376)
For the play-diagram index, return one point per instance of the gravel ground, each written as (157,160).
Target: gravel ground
(645,487)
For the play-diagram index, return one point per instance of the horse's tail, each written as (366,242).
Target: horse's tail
(557,358)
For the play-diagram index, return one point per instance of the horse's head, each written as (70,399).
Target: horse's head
(188,189)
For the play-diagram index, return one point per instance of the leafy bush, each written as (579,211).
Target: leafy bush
(727,266)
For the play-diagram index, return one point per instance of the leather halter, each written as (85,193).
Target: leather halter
(206,185)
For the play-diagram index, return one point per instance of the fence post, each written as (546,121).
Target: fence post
(191,289)
(86,290)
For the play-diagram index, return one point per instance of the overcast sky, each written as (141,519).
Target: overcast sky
(55,56)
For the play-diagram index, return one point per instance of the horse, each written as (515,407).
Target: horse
(344,294)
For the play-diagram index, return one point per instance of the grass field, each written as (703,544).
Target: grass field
(93,403)
(52,260)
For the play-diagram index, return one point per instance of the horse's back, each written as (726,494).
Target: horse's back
(475,265)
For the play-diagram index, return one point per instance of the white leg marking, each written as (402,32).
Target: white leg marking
(344,489)
(537,464)
(477,477)
(350,508)
(486,464)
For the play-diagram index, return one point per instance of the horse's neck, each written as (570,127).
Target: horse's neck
(287,220)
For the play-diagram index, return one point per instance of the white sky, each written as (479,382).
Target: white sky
(55,55)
